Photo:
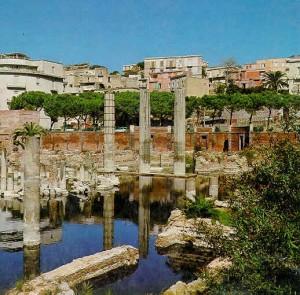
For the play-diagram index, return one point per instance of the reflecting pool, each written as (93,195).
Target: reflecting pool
(76,226)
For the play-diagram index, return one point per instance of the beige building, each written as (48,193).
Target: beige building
(192,64)
(85,77)
(194,86)
(293,74)
(219,74)
(18,74)
(268,65)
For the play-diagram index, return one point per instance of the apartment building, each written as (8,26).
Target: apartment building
(220,75)
(192,64)
(18,73)
(252,74)
(85,77)
(293,74)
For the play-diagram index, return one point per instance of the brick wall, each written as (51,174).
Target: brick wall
(162,141)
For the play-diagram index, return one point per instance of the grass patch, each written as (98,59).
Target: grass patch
(205,209)
(20,284)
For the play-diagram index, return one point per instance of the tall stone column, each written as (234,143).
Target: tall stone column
(31,233)
(108,217)
(145,136)
(144,214)
(3,170)
(179,132)
(214,186)
(229,138)
(109,132)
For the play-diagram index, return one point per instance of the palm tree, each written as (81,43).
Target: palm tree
(29,130)
(275,80)
(29,138)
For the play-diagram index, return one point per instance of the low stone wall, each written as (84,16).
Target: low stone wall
(82,269)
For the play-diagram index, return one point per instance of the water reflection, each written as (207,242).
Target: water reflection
(76,226)
(145,183)
(31,261)
(108,220)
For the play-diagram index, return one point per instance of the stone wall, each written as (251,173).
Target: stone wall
(162,141)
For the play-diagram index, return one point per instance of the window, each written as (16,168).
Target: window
(298,70)
(161,63)
(152,65)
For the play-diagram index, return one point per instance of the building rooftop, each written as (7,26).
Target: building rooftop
(176,56)
(14,55)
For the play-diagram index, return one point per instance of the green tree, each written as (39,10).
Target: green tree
(272,101)
(216,103)
(266,216)
(52,109)
(233,103)
(68,107)
(252,103)
(162,105)
(31,100)
(127,108)
(275,80)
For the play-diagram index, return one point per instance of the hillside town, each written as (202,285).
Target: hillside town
(19,73)
(149,147)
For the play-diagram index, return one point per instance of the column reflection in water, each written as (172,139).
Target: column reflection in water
(191,188)
(178,191)
(108,216)
(56,212)
(214,186)
(31,261)
(145,183)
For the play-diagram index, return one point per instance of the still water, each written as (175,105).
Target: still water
(74,227)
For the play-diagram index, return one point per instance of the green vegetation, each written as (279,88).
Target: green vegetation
(86,288)
(88,106)
(266,215)
(19,285)
(205,209)
(29,130)
(275,80)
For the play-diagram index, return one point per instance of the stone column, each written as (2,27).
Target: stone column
(81,173)
(31,233)
(10,180)
(179,132)
(144,214)
(145,137)
(3,170)
(250,134)
(214,186)
(63,180)
(229,138)
(109,132)
(108,217)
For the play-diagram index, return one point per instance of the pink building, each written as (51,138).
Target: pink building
(161,81)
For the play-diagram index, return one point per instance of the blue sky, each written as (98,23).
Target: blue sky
(117,32)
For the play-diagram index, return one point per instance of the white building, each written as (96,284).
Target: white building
(191,64)
(18,74)
(293,74)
